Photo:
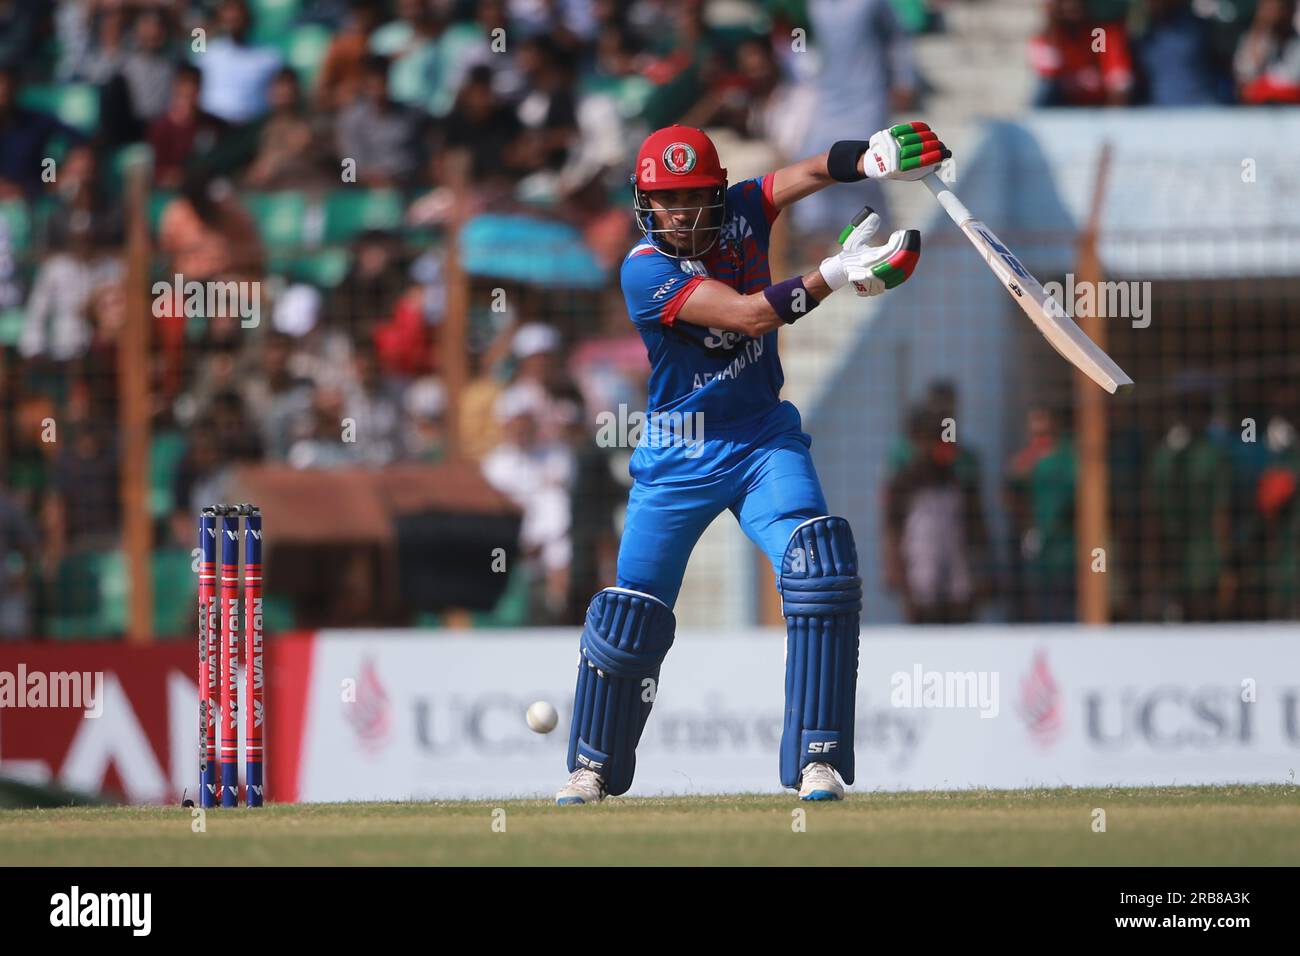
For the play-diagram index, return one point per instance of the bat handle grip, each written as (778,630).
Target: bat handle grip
(934,183)
(953,206)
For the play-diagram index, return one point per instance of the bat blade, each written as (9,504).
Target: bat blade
(1070,341)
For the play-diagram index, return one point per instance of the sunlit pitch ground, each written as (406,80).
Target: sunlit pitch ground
(1157,826)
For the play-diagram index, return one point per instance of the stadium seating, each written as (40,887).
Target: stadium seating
(11,326)
(512,610)
(165,452)
(279,217)
(272,19)
(16,221)
(304,49)
(92,595)
(324,268)
(528,250)
(158,200)
(349,212)
(76,104)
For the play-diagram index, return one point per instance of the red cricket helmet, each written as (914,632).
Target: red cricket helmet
(680,157)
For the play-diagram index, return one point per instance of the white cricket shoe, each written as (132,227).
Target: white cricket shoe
(820,782)
(584,786)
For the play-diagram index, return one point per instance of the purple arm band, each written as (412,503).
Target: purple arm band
(790,299)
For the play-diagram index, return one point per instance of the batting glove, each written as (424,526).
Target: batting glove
(904,152)
(871,269)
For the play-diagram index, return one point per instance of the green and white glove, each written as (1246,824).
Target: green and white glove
(871,269)
(904,152)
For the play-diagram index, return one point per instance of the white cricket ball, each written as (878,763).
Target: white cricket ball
(541,717)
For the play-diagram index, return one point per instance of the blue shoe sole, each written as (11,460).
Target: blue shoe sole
(821,795)
(569,801)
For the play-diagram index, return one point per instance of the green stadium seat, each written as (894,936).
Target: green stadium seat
(112,592)
(277,613)
(350,211)
(1108,9)
(630,93)
(16,221)
(324,269)
(175,592)
(272,18)
(11,327)
(165,452)
(76,104)
(92,596)
(91,589)
(914,15)
(511,609)
(279,217)
(304,50)
(77,585)
(731,36)
(122,159)
(158,200)
(42,209)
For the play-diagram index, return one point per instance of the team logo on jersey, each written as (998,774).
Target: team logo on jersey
(679,158)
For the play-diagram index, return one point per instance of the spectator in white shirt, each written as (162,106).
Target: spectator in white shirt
(535,474)
(236,75)
(57,325)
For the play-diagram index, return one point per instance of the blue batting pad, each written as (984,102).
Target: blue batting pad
(627,635)
(821,596)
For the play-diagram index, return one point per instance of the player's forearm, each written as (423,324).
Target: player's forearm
(758,315)
(715,305)
(794,182)
(816,284)
(784,303)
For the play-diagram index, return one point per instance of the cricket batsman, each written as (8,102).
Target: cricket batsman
(699,292)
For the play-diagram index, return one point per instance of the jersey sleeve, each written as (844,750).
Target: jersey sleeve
(654,287)
(751,200)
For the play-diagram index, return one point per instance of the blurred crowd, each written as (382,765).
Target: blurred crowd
(1167,53)
(1205,519)
(312,154)
(309,155)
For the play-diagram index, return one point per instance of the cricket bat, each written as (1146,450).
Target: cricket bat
(1045,312)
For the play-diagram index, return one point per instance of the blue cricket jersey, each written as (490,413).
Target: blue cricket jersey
(731,380)
(750,453)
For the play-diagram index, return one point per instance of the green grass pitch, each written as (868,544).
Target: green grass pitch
(1237,825)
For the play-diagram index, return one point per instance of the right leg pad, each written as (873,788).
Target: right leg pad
(821,598)
(626,638)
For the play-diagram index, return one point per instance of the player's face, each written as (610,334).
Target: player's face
(677,210)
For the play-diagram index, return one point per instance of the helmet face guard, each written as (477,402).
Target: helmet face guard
(704,229)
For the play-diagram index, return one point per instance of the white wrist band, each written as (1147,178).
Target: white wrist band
(832,270)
